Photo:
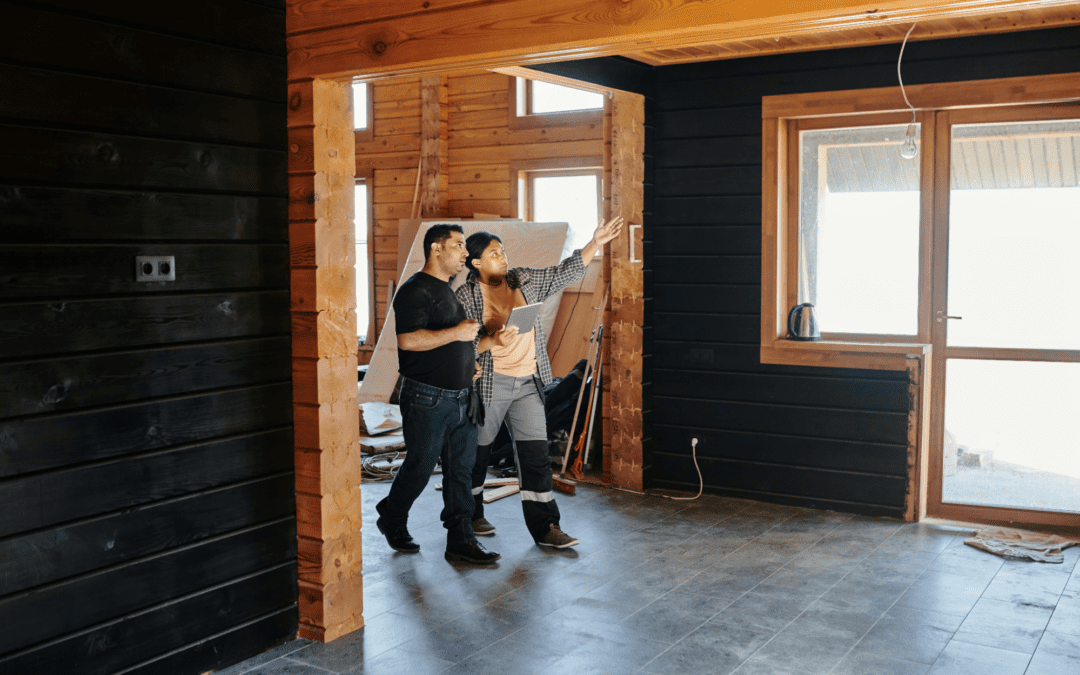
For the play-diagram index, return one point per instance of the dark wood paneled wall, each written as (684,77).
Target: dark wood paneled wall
(147,510)
(819,437)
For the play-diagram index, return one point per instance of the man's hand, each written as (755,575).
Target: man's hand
(466,330)
(505,336)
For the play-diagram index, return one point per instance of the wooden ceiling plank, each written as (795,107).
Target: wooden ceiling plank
(495,33)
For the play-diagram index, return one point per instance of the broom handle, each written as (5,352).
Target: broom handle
(597,328)
(577,410)
(576,467)
(597,384)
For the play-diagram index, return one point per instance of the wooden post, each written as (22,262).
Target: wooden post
(622,402)
(322,246)
(433,113)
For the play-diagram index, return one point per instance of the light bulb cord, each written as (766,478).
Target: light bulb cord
(900,77)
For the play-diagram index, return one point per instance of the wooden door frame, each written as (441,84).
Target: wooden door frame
(936,508)
(321,193)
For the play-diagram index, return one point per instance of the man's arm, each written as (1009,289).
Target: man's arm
(424,340)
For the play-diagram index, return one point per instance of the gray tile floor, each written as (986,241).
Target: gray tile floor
(717,585)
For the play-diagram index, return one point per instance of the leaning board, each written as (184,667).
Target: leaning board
(526,244)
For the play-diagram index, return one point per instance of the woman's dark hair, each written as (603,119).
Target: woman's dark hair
(476,244)
(439,233)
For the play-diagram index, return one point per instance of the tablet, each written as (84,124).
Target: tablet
(524,317)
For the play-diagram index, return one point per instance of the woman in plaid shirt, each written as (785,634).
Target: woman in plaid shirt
(515,369)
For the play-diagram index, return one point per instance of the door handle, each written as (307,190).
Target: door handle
(633,254)
(941,316)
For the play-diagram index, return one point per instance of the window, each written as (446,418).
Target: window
(872,239)
(544,104)
(559,194)
(539,98)
(363,111)
(364,302)
(858,219)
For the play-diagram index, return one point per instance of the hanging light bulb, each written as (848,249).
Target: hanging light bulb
(909,149)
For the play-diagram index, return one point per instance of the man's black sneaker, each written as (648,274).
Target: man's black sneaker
(471,552)
(399,539)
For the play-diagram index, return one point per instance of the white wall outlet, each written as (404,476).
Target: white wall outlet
(155,268)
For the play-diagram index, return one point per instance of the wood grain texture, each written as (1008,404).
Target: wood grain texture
(43,442)
(40,328)
(323,302)
(994,18)
(159,630)
(68,99)
(127,53)
(227,648)
(147,477)
(48,555)
(207,20)
(623,403)
(51,214)
(486,36)
(80,158)
(68,383)
(835,490)
(43,271)
(147,428)
(118,591)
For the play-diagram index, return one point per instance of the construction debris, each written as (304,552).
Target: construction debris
(499,488)
(378,418)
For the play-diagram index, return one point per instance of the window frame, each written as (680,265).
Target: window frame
(523,171)
(926,170)
(517,86)
(366,176)
(367,134)
(782,117)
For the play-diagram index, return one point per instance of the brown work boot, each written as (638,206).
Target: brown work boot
(556,538)
(482,527)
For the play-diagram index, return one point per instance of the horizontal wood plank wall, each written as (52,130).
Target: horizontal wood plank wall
(484,152)
(812,436)
(479,148)
(393,156)
(147,514)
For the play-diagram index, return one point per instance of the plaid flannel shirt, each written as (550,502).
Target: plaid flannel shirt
(537,285)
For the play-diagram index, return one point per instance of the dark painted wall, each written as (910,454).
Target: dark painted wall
(146,477)
(820,437)
(826,438)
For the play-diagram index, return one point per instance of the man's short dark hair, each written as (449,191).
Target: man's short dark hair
(438,234)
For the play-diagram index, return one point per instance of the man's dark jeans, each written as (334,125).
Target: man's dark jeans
(435,425)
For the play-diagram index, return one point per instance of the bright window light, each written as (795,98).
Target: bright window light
(567,199)
(360,94)
(550,98)
(363,280)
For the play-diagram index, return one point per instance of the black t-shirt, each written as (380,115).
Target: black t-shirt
(425,302)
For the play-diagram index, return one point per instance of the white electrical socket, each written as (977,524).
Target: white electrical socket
(155,268)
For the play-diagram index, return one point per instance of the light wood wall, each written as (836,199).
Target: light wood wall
(479,151)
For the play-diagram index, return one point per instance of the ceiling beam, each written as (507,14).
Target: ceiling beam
(375,38)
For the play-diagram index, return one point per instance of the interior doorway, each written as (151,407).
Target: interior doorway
(1006,343)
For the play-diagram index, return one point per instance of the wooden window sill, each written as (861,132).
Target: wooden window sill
(833,354)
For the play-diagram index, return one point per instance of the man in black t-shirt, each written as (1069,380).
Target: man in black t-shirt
(437,361)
